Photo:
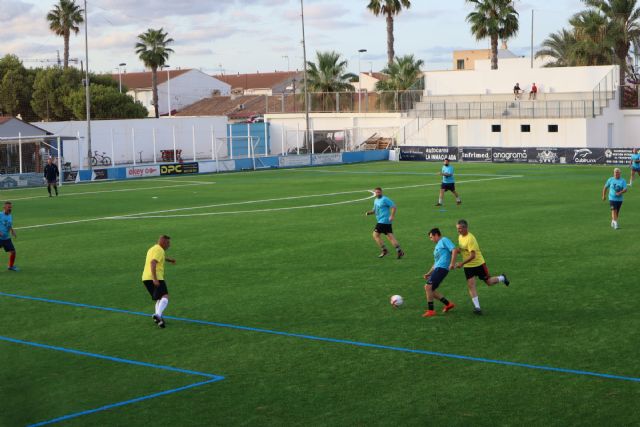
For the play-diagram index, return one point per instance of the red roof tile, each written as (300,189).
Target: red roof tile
(143,80)
(257,80)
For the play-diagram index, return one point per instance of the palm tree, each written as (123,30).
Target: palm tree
(329,75)
(495,19)
(389,8)
(153,52)
(402,74)
(624,28)
(593,44)
(560,47)
(64,18)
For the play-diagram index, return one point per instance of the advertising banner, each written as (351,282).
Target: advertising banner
(429,154)
(585,156)
(617,156)
(510,155)
(70,176)
(475,154)
(547,155)
(179,168)
(289,161)
(99,174)
(143,171)
(326,159)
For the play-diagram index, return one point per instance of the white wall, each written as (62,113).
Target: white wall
(126,142)
(287,129)
(477,133)
(517,63)
(561,79)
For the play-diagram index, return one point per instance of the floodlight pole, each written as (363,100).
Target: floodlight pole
(306,93)
(86,84)
(360,51)
(122,64)
(531,38)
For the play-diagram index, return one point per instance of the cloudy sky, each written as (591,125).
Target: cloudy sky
(263,35)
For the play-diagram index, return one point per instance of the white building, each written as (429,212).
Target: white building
(176,88)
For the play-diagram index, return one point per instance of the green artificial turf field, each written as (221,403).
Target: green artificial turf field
(280,313)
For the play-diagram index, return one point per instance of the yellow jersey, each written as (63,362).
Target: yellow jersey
(155,252)
(467,244)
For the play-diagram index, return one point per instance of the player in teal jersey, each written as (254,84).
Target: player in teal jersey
(635,165)
(448,183)
(617,187)
(6,231)
(385,212)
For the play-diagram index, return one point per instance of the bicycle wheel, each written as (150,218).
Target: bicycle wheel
(106,161)
(94,161)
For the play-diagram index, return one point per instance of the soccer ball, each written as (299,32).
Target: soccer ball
(396,301)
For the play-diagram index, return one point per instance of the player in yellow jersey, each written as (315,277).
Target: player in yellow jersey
(153,276)
(473,263)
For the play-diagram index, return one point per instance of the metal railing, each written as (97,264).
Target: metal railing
(344,102)
(605,91)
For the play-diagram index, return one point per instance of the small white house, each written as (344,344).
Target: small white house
(176,88)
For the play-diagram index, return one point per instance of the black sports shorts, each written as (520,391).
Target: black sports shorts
(7,245)
(156,292)
(615,205)
(448,187)
(383,228)
(481,272)
(437,277)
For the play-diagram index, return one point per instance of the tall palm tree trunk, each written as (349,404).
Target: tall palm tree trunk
(390,40)
(67,35)
(154,89)
(494,52)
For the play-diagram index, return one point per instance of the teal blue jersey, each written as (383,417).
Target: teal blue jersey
(449,171)
(442,253)
(382,208)
(614,186)
(635,159)
(6,223)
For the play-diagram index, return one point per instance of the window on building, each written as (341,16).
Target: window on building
(496,128)
(553,128)
(460,64)
(525,128)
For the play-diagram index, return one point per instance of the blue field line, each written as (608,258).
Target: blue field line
(211,378)
(345,342)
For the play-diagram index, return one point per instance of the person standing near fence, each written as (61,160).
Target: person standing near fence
(51,174)
(6,231)
(635,165)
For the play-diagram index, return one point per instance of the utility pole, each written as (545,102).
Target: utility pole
(87,86)
(306,93)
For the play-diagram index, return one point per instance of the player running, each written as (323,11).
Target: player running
(51,174)
(153,277)
(438,272)
(385,211)
(448,183)
(473,263)
(617,187)
(6,231)
(635,165)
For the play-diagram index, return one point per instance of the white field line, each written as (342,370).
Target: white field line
(155,214)
(182,180)
(116,191)
(396,173)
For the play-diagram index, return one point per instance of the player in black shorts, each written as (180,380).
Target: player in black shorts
(438,272)
(51,174)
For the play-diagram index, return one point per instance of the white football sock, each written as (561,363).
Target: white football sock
(440,201)
(162,304)
(157,304)
(476,302)
(501,279)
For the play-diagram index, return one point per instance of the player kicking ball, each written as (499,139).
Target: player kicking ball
(153,277)
(438,272)
(473,264)
(385,211)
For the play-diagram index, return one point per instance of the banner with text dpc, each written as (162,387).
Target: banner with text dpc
(543,155)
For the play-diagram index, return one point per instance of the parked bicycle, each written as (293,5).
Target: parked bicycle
(101,159)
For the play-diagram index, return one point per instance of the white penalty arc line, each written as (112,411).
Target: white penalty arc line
(153,214)
(120,190)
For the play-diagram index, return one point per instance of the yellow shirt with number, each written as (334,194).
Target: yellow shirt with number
(467,244)
(155,252)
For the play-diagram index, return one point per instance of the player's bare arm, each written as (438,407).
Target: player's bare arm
(170,260)
(454,255)
(154,263)
(472,256)
(428,273)
(393,213)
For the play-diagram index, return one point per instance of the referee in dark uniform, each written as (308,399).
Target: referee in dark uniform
(51,174)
